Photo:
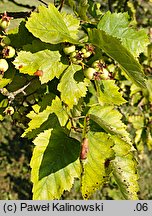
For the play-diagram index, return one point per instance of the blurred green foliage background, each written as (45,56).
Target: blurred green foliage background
(15,152)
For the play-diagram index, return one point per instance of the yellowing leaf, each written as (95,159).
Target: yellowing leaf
(109,93)
(110,120)
(47,61)
(58,109)
(125,169)
(71,90)
(49,26)
(95,168)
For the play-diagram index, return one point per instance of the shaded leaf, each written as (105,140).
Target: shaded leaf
(52,185)
(60,152)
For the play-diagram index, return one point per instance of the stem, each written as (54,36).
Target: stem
(97,88)
(43,3)
(125,4)
(110,5)
(17,15)
(23,5)
(61,5)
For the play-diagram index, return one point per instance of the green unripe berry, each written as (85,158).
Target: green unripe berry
(89,72)
(8,52)
(5,41)
(4,24)
(83,50)
(105,74)
(73,54)
(75,60)
(95,64)
(3,66)
(68,50)
(9,110)
(87,54)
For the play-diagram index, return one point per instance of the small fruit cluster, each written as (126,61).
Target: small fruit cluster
(6,51)
(79,56)
(98,71)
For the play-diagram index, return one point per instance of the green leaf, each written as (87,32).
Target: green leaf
(60,163)
(58,109)
(137,121)
(96,166)
(117,25)
(72,24)
(113,47)
(125,169)
(110,120)
(37,119)
(83,9)
(4,82)
(71,90)
(20,37)
(46,60)
(38,45)
(60,152)
(109,93)
(49,26)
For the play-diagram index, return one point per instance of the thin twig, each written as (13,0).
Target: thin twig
(17,15)
(125,5)
(110,5)
(61,5)
(11,95)
(43,3)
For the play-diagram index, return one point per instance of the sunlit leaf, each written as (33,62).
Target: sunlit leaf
(47,61)
(113,47)
(110,120)
(109,93)
(117,25)
(95,168)
(125,169)
(49,26)
(58,109)
(72,90)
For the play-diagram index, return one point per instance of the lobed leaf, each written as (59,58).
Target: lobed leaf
(117,25)
(71,90)
(110,120)
(37,119)
(51,27)
(109,93)
(113,47)
(46,60)
(58,109)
